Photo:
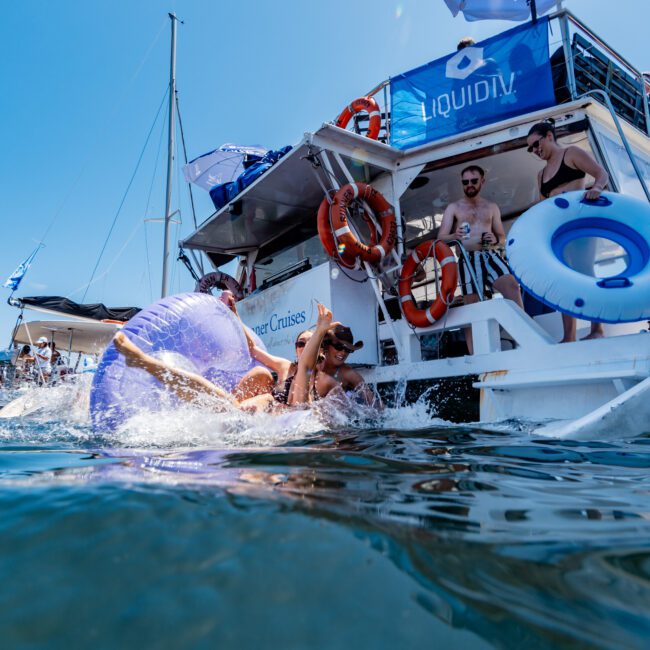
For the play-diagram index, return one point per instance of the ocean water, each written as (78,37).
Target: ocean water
(393,530)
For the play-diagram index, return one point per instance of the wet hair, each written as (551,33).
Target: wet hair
(464,42)
(474,168)
(543,128)
(25,350)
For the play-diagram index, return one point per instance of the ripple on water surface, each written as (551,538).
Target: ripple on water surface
(196,529)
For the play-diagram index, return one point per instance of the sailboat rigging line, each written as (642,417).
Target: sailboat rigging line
(186,260)
(111,264)
(128,187)
(189,185)
(93,148)
(146,209)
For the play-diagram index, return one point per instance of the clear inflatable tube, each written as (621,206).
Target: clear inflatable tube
(191,331)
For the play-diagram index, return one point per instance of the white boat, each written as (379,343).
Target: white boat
(87,330)
(517,370)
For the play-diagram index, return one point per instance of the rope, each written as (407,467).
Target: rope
(146,209)
(189,185)
(92,149)
(119,209)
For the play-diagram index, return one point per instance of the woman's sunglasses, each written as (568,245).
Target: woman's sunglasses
(473,181)
(339,347)
(301,343)
(535,145)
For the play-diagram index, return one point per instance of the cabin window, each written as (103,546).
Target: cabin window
(310,250)
(619,166)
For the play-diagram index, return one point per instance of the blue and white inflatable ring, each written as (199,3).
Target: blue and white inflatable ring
(543,262)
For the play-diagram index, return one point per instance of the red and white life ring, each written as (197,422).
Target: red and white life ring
(371,107)
(375,252)
(436,310)
(220,281)
(332,248)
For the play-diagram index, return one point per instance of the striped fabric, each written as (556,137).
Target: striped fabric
(488,266)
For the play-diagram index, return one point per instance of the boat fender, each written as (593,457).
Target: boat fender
(219,280)
(374,253)
(563,278)
(370,106)
(449,270)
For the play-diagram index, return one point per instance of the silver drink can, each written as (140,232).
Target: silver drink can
(466,228)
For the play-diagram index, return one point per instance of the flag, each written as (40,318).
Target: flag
(498,9)
(15,278)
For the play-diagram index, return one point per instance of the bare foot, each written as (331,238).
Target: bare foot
(133,355)
(595,334)
(568,340)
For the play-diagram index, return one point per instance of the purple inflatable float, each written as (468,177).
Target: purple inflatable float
(191,331)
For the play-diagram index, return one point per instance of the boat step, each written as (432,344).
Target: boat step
(505,382)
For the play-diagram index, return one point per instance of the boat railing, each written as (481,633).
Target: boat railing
(583,62)
(360,121)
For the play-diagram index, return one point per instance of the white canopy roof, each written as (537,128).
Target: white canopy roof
(79,336)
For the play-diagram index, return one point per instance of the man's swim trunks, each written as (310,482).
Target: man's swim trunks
(488,266)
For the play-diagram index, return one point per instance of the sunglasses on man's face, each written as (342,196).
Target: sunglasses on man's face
(535,145)
(473,181)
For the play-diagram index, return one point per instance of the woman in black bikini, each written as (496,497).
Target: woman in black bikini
(565,170)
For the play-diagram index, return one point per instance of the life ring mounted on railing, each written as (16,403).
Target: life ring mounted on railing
(449,270)
(334,249)
(370,106)
(219,280)
(340,230)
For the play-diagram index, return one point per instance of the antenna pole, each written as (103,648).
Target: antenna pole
(170,155)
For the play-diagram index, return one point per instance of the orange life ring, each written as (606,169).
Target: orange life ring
(436,310)
(374,253)
(327,237)
(371,107)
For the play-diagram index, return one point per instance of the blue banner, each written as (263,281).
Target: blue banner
(501,77)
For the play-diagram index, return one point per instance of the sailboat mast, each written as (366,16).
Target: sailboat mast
(170,155)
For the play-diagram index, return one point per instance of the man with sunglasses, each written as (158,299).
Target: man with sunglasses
(486,236)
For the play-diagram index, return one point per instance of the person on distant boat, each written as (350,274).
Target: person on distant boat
(25,363)
(192,387)
(338,344)
(566,170)
(56,355)
(275,379)
(476,222)
(43,357)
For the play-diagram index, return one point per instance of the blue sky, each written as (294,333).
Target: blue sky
(82,82)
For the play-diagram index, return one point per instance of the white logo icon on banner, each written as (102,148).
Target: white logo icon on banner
(470,58)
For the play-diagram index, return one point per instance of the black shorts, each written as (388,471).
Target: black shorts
(488,266)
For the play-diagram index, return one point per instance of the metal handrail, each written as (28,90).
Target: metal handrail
(617,123)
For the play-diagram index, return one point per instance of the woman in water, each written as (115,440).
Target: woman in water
(190,387)
(565,170)
(337,346)
(274,380)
